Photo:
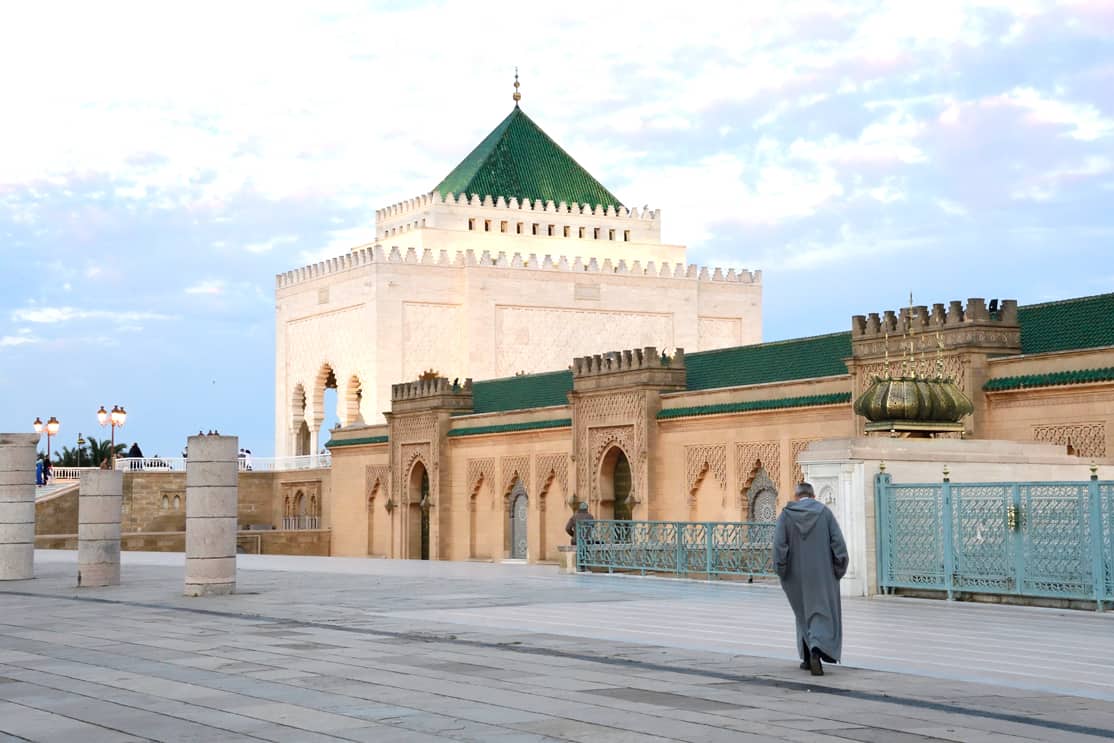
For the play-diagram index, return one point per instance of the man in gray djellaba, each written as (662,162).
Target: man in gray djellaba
(810,557)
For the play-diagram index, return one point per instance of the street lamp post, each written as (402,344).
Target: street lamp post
(51,427)
(80,446)
(115,418)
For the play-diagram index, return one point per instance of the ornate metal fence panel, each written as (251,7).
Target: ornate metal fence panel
(912,550)
(1056,540)
(1049,539)
(743,548)
(981,543)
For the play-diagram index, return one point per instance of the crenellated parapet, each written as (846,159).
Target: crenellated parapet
(377,254)
(958,325)
(639,367)
(498,217)
(956,315)
(432,392)
(424,202)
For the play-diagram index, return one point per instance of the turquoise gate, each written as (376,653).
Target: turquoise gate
(743,548)
(1044,539)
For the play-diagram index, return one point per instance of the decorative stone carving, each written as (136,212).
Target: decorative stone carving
(796,446)
(481,472)
(546,338)
(719,332)
(603,420)
(1081,439)
(761,498)
(749,457)
(431,338)
(377,477)
(514,469)
(702,459)
(550,467)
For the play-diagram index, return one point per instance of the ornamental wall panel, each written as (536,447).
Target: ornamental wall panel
(550,468)
(432,339)
(550,337)
(750,457)
(719,332)
(1084,439)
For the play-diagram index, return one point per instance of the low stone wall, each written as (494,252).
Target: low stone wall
(299,542)
(57,515)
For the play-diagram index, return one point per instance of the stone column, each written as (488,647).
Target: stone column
(17,505)
(211,500)
(98,528)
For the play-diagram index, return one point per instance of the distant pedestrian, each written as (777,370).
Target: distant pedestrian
(810,557)
(580,515)
(135,457)
(48,472)
(247,459)
(39,472)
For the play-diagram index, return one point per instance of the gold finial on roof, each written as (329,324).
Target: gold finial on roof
(517,96)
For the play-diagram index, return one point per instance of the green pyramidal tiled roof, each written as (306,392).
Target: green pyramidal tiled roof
(1084,322)
(780,361)
(518,159)
(519,393)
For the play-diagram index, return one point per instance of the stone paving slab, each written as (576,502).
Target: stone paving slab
(313,650)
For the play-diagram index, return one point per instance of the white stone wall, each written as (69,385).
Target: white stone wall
(385,315)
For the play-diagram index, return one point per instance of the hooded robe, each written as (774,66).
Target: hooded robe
(810,557)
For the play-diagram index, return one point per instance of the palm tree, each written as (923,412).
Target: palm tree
(101,450)
(71,457)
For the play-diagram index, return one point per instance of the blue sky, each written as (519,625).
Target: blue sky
(160,163)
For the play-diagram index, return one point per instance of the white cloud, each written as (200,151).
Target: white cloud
(17,340)
(953,208)
(269,245)
(1084,121)
(57,315)
(209,286)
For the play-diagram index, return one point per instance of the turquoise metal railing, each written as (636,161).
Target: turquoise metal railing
(743,548)
(1043,539)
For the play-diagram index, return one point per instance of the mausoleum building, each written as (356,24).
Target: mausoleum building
(513,263)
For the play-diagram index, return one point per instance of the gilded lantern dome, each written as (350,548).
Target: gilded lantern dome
(923,403)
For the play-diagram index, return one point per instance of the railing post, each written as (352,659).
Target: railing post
(708,540)
(882,528)
(679,545)
(1098,569)
(581,539)
(1015,537)
(949,536)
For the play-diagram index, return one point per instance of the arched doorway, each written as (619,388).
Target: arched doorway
(615,485)
(519,516)
(419,513)
(302,442)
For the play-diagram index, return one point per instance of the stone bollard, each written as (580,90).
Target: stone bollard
(17,505)
(212,470)
(98,528)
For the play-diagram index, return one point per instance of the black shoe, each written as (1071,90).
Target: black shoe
(805,665)
(814,664)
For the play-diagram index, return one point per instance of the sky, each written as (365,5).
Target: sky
(161,162)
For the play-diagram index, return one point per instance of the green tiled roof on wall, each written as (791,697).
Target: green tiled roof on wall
(518,159)
(800,358)
(519,393)
(1084,322)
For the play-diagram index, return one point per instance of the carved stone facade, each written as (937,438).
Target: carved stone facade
(713,453)
(1080,439)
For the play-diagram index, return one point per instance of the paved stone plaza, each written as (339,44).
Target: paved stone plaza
(370,650)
